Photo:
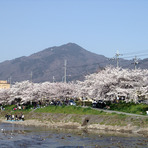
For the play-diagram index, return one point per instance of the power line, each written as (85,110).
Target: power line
(137,52)
(86,65)
(117,55)
(65,66)
(139,55)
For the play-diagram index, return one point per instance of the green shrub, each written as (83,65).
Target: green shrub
(86,103)
(29,107)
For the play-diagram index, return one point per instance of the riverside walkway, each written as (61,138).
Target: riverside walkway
(117,112)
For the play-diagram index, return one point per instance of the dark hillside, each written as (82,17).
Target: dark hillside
(49,63)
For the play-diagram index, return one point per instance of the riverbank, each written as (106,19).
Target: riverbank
(107,122)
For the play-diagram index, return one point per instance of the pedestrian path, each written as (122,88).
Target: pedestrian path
(118,112)
(130,114)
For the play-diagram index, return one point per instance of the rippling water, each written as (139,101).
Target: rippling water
(18,136)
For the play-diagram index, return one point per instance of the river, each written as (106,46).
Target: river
(19,136)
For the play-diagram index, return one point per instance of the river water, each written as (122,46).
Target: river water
(19,136)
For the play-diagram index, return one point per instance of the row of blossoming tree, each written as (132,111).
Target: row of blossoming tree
(108,84)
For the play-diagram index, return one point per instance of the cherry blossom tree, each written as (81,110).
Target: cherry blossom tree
(114,82)
(107,84)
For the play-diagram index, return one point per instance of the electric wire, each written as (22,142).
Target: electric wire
(86,66)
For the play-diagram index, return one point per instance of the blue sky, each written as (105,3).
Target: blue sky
(100,26)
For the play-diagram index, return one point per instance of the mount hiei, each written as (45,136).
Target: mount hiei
(48,64)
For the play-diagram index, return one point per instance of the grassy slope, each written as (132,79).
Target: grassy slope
(78,114)
(130,108)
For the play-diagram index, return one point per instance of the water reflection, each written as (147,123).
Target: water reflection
(19,136)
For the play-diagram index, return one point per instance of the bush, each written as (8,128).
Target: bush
(86,103)
(28,107)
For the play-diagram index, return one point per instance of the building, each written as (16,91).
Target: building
(4,84)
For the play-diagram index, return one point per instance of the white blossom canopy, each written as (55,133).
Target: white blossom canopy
(106,84)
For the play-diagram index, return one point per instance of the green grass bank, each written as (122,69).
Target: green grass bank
(79,117)
(130,107)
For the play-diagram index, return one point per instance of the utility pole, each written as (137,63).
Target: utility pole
(135,62)
(65,70)
(10,81)
(31,74)
(117,58)
(53,78)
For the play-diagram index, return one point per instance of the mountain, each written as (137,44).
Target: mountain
(49,63)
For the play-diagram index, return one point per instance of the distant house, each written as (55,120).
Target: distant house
(4,84)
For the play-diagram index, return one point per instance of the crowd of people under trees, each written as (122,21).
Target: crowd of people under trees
(15,117)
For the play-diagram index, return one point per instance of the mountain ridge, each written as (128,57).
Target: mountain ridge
(49,63)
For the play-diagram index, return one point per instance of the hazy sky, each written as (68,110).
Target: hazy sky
(100,26)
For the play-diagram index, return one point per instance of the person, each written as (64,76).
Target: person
(14,108)
(22,116)
(12,117)
(16,117)
(7,116)
(1,107)
(19,107)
